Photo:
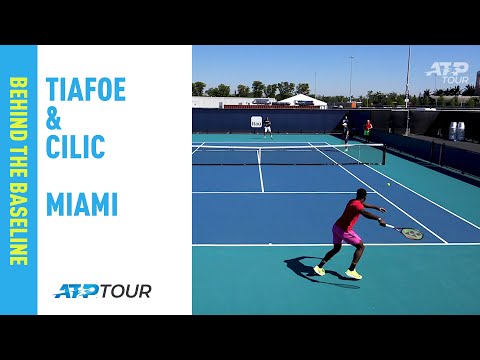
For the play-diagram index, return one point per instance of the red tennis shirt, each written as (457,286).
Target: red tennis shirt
(350,215)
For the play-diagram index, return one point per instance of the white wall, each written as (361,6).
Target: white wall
(215,102)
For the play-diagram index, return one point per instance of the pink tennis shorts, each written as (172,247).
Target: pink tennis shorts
(350,237)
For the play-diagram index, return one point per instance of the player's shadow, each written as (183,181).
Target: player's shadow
(306,272)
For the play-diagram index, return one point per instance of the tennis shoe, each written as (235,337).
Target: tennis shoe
(320,271)
(353,274)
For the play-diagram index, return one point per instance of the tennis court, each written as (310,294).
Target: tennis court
(259,228)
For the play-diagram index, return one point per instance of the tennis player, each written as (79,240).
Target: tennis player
(342,230)
(366,130)
(267,128)
(346,132)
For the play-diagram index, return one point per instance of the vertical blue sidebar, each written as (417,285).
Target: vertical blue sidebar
(18,180)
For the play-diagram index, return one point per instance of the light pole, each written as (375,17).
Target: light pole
(407,130)
(351,62)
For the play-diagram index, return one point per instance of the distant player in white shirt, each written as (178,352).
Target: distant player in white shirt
(346,132)
(267,125)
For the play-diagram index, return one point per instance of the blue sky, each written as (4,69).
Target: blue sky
(328,69)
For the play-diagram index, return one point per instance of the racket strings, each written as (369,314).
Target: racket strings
(412,234)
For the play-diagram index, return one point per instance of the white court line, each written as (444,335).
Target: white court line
(403,211)
(330,245)
(277,192)
(262,142)
(198,148)
(260,169)
(374,191)
(425,198)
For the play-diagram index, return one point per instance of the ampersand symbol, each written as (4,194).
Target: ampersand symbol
(53,123)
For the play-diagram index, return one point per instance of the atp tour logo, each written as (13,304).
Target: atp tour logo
(450,72)
(78,291)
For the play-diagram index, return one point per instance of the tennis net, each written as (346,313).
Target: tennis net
(367,154)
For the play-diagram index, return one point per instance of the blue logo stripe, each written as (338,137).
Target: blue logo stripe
(18,180)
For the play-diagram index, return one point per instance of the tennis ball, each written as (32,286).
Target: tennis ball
(388,184)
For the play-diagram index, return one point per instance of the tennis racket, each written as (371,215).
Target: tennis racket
(409,233)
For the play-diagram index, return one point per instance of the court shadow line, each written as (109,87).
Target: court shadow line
(306,271)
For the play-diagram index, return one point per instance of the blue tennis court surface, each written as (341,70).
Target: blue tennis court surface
(259,229)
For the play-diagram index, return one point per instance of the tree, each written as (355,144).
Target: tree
(220,91)
(257,89)
(472,102)
(454,101)
(425,100)
(213,92)
(426,97)
(469,90)
(377,98)
(285,90)
(197,88)
(333,99)
(452,91)
(271,90)
(243,91)
(369,98)
(393,99)
(303,88)
(441,100)
(413,100)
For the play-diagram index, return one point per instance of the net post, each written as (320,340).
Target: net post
(384,153)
